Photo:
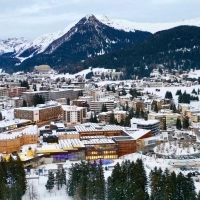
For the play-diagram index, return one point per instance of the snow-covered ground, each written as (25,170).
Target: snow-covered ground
(173,90)
(173,148)
(149,163)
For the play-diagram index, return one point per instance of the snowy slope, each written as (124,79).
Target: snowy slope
(12,45)
(42,42)
(126,25)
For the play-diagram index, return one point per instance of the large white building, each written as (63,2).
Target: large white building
(73,115)
(152,125)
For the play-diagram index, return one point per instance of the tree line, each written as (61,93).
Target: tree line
(13,182)
(57,179)
(186,98)
(128,180)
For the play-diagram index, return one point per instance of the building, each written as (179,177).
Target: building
(3,91)
(96,106)
(37,114)
(73,115)
(160,117)
(10,124)
(16,102)
(119,115)
(42,69)
(153,125)
(28,96)
(16,91)
(96,94)
(64,93)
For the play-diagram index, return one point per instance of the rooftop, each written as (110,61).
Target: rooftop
(87,127)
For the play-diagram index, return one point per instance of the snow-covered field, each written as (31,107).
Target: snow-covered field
(173,148)
(173,90)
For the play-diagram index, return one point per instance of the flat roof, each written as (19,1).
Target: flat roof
(98,141)
(87,127)
(144,122)
(136,133)
(10,122)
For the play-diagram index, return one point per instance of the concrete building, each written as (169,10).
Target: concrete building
(96,106)
(96,94)
(28,96)
(153,125)
(3,91)
(73,115)
(42,68)
(16,91)
(64,93)
(16,102)
(37,114)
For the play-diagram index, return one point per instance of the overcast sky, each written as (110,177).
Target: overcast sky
(32,18)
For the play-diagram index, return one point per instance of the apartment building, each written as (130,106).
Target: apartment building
(96,94)
(153,125)
(64,93)
(36,114)
(16,91)
(16,102)
(28,96)
(73,115)
(96,106)
(3,91)
(119,115)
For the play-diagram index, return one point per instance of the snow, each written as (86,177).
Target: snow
(127,26)
(42,42)
(12,45)
(150,162)
(96,71)
(194,74)
(173,90)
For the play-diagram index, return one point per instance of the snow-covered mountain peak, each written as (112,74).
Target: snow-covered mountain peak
(12,45)
(126,25)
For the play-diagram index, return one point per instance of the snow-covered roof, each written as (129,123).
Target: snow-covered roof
(136,133)
(87,127)
(12,122)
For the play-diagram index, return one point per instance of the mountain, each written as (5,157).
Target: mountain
(177,48)
(126,25)
(88,38)
(12,45)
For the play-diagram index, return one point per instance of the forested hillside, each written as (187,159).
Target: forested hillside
(177,48)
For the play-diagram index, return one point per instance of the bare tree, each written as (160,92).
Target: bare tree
(31,191)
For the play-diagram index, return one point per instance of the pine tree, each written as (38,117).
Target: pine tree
(63,177)
(186,122)
(113,89)
(68,101)
(108,88)
(58,179)
(24,104)
(155,107)
(178,124)
(198,195)
(50,182)
(104,108)
(21,175)
(3,189)
(1,117)
(112,118)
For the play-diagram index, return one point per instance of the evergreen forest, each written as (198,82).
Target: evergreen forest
(128,181)
(13,182)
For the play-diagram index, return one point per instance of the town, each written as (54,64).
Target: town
(49,118)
